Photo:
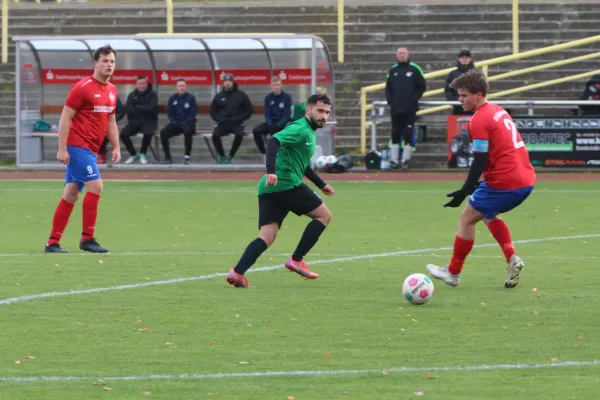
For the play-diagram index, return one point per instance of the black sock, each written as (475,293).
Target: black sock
(251,254)
(310,237)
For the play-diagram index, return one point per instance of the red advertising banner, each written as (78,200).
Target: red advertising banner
(192,77)
(246,76)
(72,76)
(302,76)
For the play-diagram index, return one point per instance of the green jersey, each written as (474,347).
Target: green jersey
(297,146)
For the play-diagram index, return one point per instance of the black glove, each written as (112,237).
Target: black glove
(457,198)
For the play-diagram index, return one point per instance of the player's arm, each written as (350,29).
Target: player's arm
(273,146)
(112,134)
(481,146)
(316,179)
(64,125)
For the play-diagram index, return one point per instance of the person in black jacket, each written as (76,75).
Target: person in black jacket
(229,109)
(141,108)
(405,85)
(591,93)
(278,112)
(182,111)
(464,64)
(119,114)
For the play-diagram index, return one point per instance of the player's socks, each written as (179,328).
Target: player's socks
(309,238)
(90,213)
(251,254)
(501,233)
(395,153)
(60,220)
(462,248)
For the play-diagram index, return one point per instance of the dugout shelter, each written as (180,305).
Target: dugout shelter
(48,66)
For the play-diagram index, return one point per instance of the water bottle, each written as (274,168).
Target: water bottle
(385,160)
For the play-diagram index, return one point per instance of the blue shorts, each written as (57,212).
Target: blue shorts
(82,167)
(491,202)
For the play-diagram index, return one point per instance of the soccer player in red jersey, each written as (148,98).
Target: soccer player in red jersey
(508,179)
(87,117)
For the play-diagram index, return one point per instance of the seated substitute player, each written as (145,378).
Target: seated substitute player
(88,115)
(281,190)
(500,154)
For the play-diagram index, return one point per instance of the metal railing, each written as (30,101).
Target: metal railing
(530,105)
(484,66)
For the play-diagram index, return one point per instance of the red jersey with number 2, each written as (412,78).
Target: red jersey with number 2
(508,166)
(93,102)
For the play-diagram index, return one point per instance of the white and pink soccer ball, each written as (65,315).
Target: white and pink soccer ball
(417,289)
(323,161)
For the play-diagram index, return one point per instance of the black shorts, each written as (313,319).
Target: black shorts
(274,207)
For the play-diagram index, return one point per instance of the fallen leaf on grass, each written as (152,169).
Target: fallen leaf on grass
(381,355)
(244,363)
(430,377)
(327,355)
(100,262)
(145,393)
(482,303)
(18,362)
(143,329)
(534,290)
(347,334)
(80,324)
(536,313)
(418,394)
(344,392)
(172,333)
(137,321)
(111,313)
(107,388)
(168,343)
(99,382)
(290,398)
(283,355)
(386,372)
(407,315)
(29,357)
(210,343)
(579,337)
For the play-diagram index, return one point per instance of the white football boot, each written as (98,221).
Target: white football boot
(513,271)
(443,274)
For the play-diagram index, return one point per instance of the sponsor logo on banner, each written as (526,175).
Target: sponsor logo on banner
(71,76)
(192,77)
(246,76)
(302,76)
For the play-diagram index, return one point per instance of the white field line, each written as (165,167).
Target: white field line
(268,268)
(152,253)
(253,190)
(276,374)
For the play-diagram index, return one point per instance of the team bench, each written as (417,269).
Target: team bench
(203,109)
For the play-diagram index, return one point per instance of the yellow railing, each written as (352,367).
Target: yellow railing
(364,107)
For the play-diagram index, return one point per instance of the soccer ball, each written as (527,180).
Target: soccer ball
(331,159)
(417,289)
(321,161)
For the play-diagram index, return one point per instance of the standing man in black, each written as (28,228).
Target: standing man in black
(404,88)
(229,109)
(464,64)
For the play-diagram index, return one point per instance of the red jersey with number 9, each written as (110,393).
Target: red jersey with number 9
(508,166)
(93,102)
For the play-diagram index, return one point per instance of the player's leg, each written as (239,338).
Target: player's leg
(270,216)
(62,213)
(397,121)
(304,201)
(258,132)
(188,134)
(148,131)
(463,244)
(219,131)
(507,201)
(169,131)
(238,132)
(127,132)
(84,169)
(407,135)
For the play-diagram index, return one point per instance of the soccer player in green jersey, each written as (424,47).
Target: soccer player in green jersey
(281,190)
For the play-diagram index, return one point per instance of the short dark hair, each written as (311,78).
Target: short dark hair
(474,81)
(104,50)
(142,77)
(315,98)
(181,80)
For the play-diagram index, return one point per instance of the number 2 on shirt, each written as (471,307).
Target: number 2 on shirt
(511,127)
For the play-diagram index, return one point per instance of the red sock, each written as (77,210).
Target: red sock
(462,248)
(60,220)
(501,233)
(90,212)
